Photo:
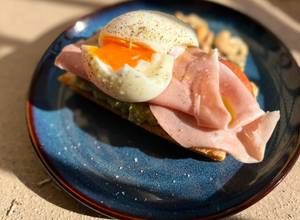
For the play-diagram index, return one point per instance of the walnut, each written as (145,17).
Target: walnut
(204,35)
(192,19)
(207,42)
(231,47)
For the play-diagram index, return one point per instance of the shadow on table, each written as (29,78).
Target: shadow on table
(18,156)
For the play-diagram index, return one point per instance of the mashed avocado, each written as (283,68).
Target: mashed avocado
(138,113)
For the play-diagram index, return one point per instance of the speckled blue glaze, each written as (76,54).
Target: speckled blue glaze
(122,168)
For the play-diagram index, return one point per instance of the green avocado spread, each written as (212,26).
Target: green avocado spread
(138,113)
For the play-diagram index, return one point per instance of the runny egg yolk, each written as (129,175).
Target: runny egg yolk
(116,52)
(229,108)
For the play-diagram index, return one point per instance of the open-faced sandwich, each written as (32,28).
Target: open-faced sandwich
(147,67)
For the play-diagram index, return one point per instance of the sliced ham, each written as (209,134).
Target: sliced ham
(246,145)
(70,58)
(197,74)
(216,111)
(208,106)
(255,135)
(176,96)
(200,87)
(240,101)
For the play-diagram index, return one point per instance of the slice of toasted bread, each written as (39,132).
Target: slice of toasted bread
(70,79)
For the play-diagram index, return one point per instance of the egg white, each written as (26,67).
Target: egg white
(159,31)
(163,33)
(130,84)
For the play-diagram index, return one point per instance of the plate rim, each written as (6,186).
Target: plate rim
(101,208)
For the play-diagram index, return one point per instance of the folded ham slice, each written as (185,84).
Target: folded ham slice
(207,89)
(196,74)
(246,145)
(215,109)
(70,58)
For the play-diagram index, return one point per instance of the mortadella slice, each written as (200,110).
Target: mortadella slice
(195,89)
(216,110)
(176,96)
(239,100)
(70,58)
(204,87)
(246,145)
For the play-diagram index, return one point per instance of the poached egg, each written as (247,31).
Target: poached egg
(136,53)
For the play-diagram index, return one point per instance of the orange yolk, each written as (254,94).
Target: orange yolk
(116,52)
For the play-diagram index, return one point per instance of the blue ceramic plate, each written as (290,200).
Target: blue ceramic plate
(118,169)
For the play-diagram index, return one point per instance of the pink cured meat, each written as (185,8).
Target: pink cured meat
(70,58)
(200,86)
(197,74)
(186,120)
(246,145)
(243,104)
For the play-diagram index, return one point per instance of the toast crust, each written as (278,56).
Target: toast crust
(69,80)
